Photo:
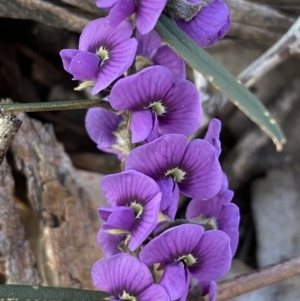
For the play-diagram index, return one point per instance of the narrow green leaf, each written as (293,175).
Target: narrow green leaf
(40,293)
(220,77)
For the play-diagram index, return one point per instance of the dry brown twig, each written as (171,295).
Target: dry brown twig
(286,47)
(257,279)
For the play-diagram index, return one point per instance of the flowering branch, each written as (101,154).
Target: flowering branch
(55,105)
(257,279)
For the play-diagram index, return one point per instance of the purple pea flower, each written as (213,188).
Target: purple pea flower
(124,277)
(146,12)
(175,164)
(141,196)
(105,129)
(104,54)
(159,104)
(210,24)
(217,213)
(186,251)
(151,52)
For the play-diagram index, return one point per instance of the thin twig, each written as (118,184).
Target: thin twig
(260,278)
(287,46)
(55,106)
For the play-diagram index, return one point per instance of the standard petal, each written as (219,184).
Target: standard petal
(84,66)
(148,43)
(148,13)
(173,280)
(154,292)
(99,33)
(121,272)
(141,125)
(172,244)
(120,11)
(210,24)
(203,171)
(213,135)
(166,57)
(138,91)
(156,158)
(67,56)
(214,255)
(182,103)
(100,125)
(120,59)
(128,186)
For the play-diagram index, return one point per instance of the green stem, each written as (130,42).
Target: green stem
(39,293)
(54,105)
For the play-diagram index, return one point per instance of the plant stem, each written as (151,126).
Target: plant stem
(55,105)
(257,279)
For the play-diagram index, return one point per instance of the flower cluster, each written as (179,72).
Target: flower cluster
(154,110)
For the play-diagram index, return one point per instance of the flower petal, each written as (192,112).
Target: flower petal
(99,33)
(172,244)
(84,66)
(213,135)
(228,222)
(138,91)
(156,158)
(121,272)
(120,11)
(214,255)
(123,188)
(166,185)
(173,280)
(148,13)
(120,59)
(210,24)
(154,292)
(67,56)
(182,103)
(141,125)
(122,219)
(172,208)
(100,125)
(204,175)
(106,3)
(166,57)
(148,43)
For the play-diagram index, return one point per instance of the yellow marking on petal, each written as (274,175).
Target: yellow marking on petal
(176,173)
(127,297)
(137,208)
(157,107)
(188,259)
(103,53)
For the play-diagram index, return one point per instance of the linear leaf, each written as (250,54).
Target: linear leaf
(40,293)
(220,77)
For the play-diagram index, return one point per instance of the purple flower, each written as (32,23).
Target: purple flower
(146,12)
(213,135)
(175,164)
(105,128)
(216,215)
(151,52)
(124,277)
(159,104)
(141,195)
(104,54)
(185,251)
(209,25)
